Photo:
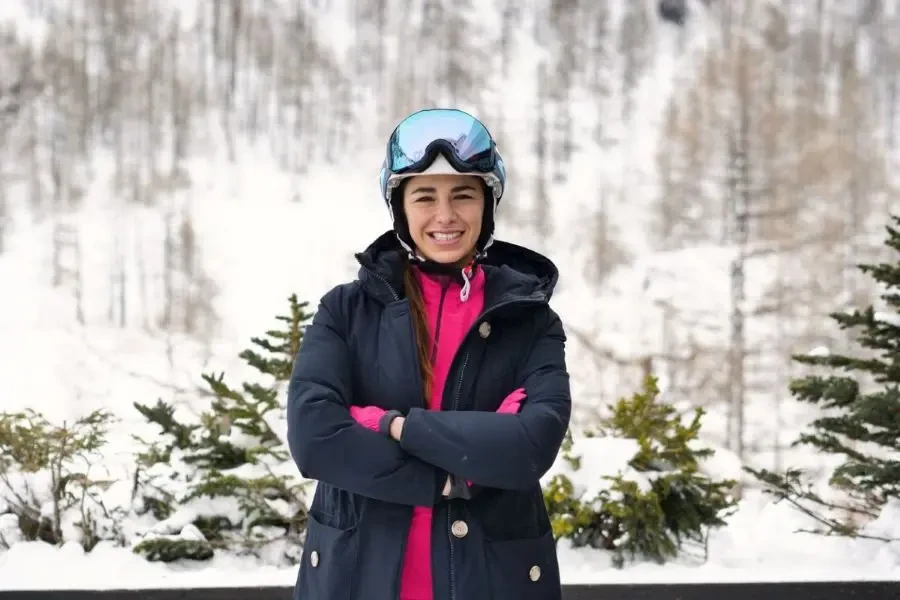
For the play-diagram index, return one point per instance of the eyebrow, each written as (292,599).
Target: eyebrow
(431,190)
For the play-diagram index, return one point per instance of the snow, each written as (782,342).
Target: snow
(758,544)
(267,233)
(820,351)
(892,319)
(599,458)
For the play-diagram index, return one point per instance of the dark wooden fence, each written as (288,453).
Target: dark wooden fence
(812,590)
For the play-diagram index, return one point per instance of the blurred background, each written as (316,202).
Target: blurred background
(706,174)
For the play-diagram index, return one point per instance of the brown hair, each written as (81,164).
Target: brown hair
(420,327)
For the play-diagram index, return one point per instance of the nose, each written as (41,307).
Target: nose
(444,213)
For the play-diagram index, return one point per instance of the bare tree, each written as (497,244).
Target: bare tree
(634,49)
(777,143)
(788,175)
(12,84)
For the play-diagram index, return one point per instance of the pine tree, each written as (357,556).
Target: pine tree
(861,412)
(235,452)
(661,502)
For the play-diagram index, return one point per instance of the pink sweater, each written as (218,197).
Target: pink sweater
(456,317)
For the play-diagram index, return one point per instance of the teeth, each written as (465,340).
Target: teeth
(445,237)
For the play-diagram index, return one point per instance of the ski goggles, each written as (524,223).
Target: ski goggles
(463,140)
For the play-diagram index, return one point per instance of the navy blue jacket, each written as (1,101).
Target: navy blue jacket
(360,349)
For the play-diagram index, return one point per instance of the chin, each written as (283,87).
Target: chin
(447,257)
(443,255)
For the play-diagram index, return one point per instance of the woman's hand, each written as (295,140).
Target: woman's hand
(370,417)
(397,428)
(513,402)
(367,416)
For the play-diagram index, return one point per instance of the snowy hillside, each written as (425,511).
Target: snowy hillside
(263,193)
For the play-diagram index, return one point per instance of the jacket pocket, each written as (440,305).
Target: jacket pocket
(329,562)
(524,568)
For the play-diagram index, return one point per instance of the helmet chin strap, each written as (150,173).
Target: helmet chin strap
(414,256)
(481,254)
(411,253)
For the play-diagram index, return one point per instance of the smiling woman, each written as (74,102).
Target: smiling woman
(430,395)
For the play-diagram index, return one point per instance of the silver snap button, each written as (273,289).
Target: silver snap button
(484,330)
(460,529)
(534,573)
(314,558)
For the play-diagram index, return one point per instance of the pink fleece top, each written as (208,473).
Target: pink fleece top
(456,317)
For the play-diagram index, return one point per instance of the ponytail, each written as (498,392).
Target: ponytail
(420,327)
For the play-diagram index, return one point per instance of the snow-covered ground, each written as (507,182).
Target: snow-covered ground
(757,545)
(260,244)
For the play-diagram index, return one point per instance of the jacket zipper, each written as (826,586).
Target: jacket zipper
(394,293)
(452,561)
(434,351)
(399,577)
(472,327)
(459,383)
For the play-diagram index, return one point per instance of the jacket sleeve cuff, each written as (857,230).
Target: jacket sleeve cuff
(408,436)
(384,423)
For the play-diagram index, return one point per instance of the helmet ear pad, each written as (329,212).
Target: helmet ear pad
(401,225)
(487,219)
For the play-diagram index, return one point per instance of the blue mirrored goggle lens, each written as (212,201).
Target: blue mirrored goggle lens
(467,136)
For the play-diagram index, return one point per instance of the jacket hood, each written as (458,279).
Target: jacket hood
(512,271)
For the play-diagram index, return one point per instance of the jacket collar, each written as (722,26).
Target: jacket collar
(512,272)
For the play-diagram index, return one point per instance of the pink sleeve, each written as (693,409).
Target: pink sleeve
(512,402)
(367,416)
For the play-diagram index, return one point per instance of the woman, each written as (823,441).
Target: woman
(431,394)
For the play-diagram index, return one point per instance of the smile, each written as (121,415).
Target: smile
(445,237)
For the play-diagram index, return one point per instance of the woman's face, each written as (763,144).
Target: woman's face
(444,213)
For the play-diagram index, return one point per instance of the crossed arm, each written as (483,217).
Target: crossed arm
(409,463)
